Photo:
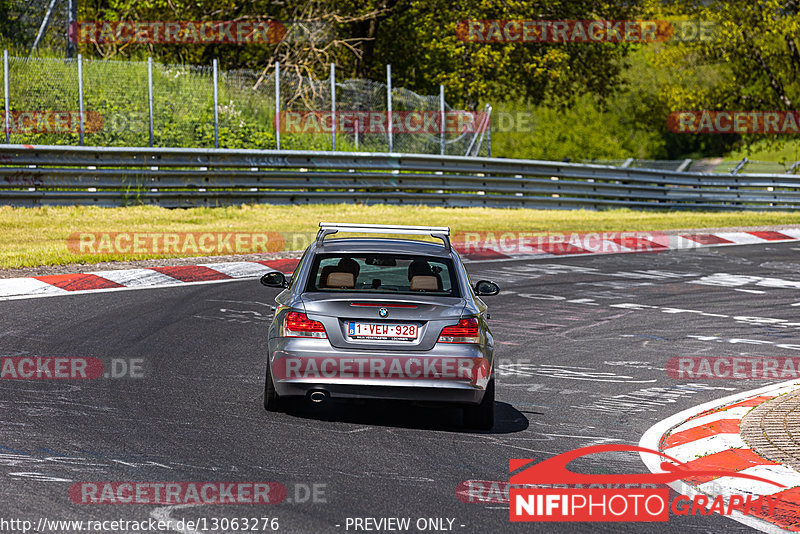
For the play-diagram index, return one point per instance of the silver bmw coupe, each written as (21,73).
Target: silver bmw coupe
(382,318)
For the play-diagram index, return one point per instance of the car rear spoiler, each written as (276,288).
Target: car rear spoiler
(439,232)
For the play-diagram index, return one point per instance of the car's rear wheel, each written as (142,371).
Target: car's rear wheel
(272,401)
(481,417)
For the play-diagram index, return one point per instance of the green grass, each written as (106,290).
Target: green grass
(38,236)
(183,106)
(787,151)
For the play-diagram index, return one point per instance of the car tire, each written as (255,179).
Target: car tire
(481,417)
(272,401)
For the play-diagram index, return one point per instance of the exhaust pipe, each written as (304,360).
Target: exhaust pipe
(317,396)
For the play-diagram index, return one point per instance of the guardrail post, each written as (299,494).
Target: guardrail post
(80,97)
(7,98)
(685,165)
(389,105)
(333,106)
(216,105)
(793,167)
(150,94)
(278,104)
(739,166)
(489,136)
(441,119)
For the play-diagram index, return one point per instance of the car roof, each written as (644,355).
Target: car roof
(372,245)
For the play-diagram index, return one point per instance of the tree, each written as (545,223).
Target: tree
(421,41)
(420,38)
(734,55)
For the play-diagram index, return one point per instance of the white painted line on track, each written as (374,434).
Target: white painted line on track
(10,287)
(733,413)
(791,232)
(112,289)
(727,486)
(705,446)
(136,277)
(740,238)
(652,437)
(239,269)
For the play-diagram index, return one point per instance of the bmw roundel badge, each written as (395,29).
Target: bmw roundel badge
(383,312)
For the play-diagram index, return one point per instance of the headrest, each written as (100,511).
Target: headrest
(424,283)
(341,280)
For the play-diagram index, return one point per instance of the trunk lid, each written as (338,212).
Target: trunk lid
(428,313)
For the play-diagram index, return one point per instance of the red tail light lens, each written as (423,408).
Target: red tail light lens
(297,324)
(466,331)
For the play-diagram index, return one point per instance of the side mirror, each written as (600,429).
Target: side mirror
(485,288)
(274,279)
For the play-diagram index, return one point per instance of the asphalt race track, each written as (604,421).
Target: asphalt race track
(582,348)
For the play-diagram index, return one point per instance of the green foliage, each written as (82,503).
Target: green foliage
(600,100)
(418,37)
(581,131)
(649,93)
(749,61)
(420,41)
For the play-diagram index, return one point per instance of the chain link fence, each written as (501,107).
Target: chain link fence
(40,87)
(117,98)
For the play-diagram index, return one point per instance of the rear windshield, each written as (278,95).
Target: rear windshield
(383,273)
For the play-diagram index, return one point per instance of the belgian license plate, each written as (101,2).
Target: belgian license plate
(383,332)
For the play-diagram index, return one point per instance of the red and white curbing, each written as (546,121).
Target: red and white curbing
(616,243)
(707,437)
(512,245)
(66,284)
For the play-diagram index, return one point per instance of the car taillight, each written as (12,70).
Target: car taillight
(466,331)
(297,324)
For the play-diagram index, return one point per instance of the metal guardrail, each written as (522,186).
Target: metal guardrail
(178,177)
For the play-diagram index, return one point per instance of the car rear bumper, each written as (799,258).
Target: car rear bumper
(451,373)
(455,393)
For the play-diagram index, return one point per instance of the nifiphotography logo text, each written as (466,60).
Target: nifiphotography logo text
(628,500)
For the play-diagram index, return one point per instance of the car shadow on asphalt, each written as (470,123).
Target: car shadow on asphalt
(405,415)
